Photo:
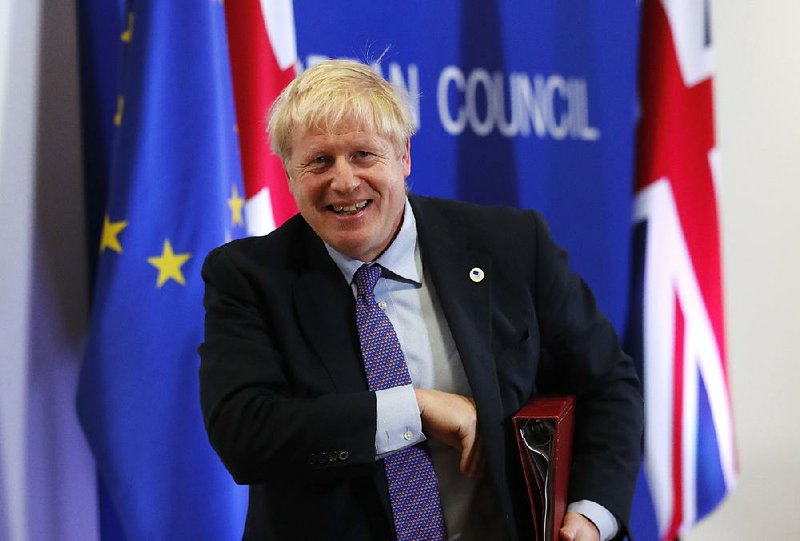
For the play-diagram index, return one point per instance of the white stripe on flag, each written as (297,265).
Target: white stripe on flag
(279,22)
(687,21)
(258,213)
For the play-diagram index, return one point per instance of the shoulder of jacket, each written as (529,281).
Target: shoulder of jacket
(479,220)
(275,246)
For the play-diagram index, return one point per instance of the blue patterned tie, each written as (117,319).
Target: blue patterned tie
(413,490)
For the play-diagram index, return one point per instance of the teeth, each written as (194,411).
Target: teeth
(351,208)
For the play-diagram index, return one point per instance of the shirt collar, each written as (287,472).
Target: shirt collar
(398,258)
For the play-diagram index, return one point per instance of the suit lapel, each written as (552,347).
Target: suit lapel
(326,311)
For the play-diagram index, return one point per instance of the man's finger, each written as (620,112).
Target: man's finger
(467,449)
(566,534)
(576,527)
(476,460)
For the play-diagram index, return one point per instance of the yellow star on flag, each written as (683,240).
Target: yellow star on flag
(169,265)
(120,109)
(236,203)
(127,34)
(108,238)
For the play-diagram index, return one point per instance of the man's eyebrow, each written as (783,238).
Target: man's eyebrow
(371,141)
(313,151)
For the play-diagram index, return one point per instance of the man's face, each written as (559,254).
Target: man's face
(349,186)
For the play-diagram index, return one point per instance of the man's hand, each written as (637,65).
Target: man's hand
(576,527)
(452,420)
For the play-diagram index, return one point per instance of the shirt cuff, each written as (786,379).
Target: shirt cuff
(601,517)
(399,422)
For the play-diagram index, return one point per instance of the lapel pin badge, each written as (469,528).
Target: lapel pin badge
(476,274)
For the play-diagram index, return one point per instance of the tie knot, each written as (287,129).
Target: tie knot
(366,277)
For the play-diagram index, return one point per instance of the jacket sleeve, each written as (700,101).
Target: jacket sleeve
(581,355)
(262,420)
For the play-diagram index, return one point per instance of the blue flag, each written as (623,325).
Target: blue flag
(175,192)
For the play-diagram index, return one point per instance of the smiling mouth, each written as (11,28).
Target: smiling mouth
(350,209)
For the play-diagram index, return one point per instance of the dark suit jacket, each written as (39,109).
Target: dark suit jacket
(285,398)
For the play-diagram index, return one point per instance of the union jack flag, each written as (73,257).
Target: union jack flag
(263,51)
(676,329)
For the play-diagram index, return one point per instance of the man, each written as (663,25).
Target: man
(362,363)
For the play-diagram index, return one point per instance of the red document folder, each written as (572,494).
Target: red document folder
(544,435)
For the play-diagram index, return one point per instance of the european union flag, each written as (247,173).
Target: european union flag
(175,192)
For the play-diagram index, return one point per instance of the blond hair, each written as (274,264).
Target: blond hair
(335,91)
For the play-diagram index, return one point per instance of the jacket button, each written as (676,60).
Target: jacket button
(344,455)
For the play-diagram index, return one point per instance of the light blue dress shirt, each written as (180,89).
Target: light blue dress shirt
(433,363)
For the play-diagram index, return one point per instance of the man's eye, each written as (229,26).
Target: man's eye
(364,154)
(319,160)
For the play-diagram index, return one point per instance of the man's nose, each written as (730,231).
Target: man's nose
(342,178)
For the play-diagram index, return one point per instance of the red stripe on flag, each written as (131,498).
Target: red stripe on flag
(677,423)
(257,81)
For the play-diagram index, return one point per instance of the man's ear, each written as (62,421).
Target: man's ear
(407,158)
